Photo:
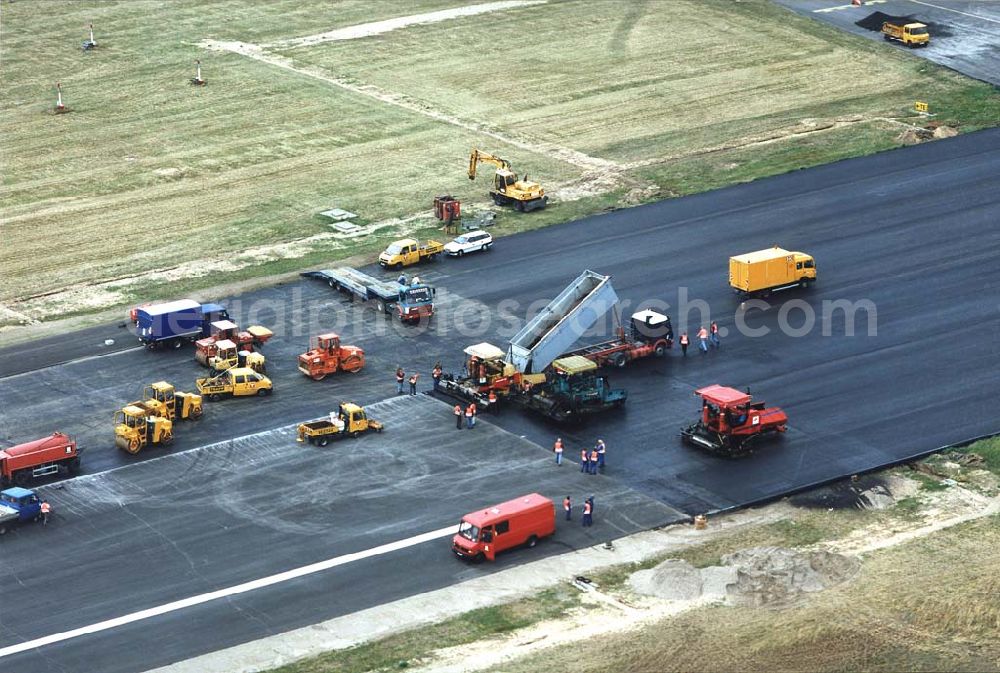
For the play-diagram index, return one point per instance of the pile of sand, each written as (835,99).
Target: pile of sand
(774,576)
(764,576)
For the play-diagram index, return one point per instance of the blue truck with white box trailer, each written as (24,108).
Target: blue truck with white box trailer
(172,324)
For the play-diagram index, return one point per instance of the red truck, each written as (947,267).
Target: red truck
(522,521)
(49,455)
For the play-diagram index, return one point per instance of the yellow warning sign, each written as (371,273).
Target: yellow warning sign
(920,106)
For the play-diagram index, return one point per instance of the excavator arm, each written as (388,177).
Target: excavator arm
(476,157)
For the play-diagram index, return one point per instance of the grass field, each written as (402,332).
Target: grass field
(924,606)
(151,187)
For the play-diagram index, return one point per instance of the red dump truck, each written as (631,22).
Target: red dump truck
(49,455)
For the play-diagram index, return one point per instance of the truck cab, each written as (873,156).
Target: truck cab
(18,505)
(649,326)
(522,521)
(403,252)
(415,302)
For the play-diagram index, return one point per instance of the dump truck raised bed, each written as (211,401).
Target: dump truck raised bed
(49,455)
(326,356)
(913,34)
(562,322)
(408,251)
(409,303)
(766,271)
(568,390)
(18,505)
(731,424)
(350,420)
(172,324)
(235,382)
(648,333)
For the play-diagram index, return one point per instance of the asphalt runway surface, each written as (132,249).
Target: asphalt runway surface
(912,231)
(965,34)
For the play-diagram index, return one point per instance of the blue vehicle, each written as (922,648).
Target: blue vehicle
(169,325)
(18,505)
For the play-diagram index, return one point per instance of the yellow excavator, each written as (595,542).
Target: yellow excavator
(507,190)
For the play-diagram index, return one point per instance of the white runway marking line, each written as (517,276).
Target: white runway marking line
(230,591)
(388,25)
(949,9)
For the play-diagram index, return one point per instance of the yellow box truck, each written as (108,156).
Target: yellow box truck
(764,271)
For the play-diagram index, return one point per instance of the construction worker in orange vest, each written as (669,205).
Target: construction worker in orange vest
(714,331)
(558,448)
(470,415)
(588,514)
(413,383)
(568,508)
(703,340)
(436,374)
(494,402)
(684,343)
(584,459)
(592,462)
(601,450)
(46,508)
(400,378)
(458,417)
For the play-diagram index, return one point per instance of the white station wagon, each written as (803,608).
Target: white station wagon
(473,241)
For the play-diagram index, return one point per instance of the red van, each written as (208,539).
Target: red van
(522,521)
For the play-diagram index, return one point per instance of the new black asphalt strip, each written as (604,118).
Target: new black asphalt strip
(907,239)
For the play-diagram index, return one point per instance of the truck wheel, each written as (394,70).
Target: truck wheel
(176,344)
(352,365)
(532,541)
(804,282)
(133,446)
(619,360)
(3,529)
(215,397)
(318,376)
(354,435)
(196,413)
(519,206)
(166,438)
(478,558)
(660,350)
(323,441)
(74,465)
(22,478)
